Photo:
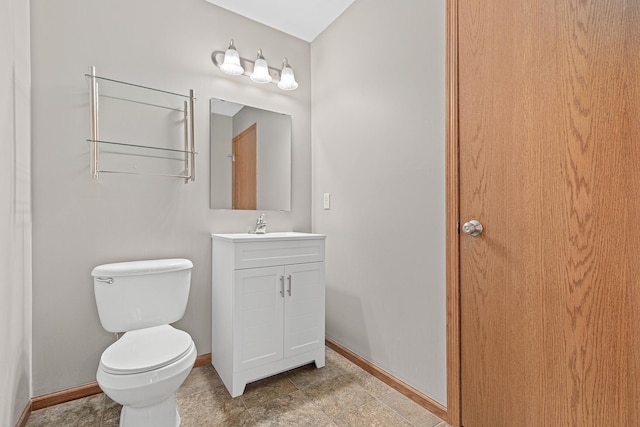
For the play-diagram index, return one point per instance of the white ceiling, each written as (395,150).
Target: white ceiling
(304,19)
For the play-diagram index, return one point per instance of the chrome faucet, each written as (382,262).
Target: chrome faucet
(261,225)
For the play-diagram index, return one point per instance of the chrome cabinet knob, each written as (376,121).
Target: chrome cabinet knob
(472,228)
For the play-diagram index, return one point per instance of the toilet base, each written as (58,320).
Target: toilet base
(163,414)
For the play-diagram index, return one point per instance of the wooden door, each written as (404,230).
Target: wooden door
(244,170)
(549,162)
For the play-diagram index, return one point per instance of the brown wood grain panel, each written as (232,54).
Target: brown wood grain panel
(548,94)
(244,170)
(631,280)
(452,218)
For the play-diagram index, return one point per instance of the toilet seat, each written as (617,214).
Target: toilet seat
(145,350)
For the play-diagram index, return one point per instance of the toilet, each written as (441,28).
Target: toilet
(144,368)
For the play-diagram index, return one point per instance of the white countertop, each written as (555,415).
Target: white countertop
(279,235)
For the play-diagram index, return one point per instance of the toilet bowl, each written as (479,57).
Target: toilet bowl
(145,367)
(142,372)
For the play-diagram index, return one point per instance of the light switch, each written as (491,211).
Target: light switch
(327,201)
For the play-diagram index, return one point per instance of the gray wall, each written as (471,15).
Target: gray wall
(221,162)
(15,211)
(79,223)
(378,102)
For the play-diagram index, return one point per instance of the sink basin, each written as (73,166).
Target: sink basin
(279,235)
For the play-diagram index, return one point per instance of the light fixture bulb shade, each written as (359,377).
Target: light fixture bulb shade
(287,79)
(260,71)
(231,64)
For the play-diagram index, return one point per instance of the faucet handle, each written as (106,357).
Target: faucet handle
(261,225)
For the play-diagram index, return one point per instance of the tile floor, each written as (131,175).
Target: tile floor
(340,394)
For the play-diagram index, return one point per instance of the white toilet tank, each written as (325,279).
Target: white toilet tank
(141,294)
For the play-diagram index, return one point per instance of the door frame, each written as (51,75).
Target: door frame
(452,192)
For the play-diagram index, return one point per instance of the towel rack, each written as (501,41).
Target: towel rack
(146,96)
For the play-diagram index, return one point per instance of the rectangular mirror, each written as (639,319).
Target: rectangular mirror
(250,158)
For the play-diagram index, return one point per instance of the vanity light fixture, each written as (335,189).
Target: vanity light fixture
(287,79)
(230,62)
(260,70)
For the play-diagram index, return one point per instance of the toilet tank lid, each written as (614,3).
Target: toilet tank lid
(136,268)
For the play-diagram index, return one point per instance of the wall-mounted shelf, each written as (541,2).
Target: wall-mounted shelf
(180,112)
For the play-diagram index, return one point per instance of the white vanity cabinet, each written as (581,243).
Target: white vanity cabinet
(268,300)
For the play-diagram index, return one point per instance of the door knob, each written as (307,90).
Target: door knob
(472,228)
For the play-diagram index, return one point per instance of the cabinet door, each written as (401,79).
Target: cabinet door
(304,308)
(257,317)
